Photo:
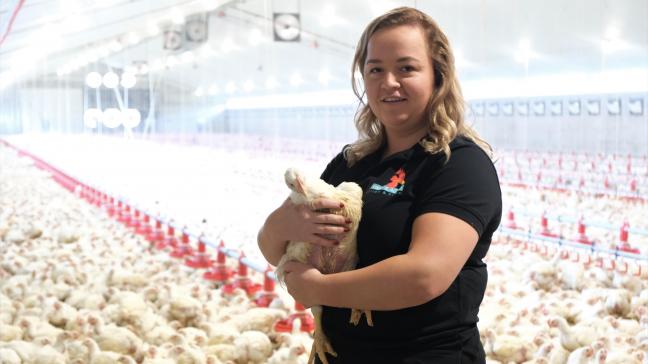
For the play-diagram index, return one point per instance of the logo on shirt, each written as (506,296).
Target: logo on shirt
(395,185)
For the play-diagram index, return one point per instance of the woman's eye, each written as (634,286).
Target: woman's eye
(374,70)
(407,68)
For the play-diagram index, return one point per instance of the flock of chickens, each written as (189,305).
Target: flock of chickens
(78,287)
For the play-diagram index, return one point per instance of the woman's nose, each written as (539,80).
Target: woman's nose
(390,81)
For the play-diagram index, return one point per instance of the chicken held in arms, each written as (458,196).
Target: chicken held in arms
(340,258)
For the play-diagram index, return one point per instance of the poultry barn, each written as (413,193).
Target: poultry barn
(144,143)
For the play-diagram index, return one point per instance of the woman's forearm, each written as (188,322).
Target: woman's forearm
(394,283)
(272,247)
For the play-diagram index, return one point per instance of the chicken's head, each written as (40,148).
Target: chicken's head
(294,180)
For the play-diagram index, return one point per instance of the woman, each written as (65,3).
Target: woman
(431,204)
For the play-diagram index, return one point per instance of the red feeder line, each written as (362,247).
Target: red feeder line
(623,239)
(219,271)
(545,227)
(510,220)
(156,235)
(111,207)
(582,236)
(124,215)
(268,294)
(170,240)
(145,227)
(200,259)
(183,249)
(135,222)
(242,281)
(306,319)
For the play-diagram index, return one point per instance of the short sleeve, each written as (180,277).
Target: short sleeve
(465,187)
(333,164)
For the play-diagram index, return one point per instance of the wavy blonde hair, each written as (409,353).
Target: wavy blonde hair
(445,109)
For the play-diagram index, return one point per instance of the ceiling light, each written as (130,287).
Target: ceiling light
(112,118)
(93,79)
(110,79)
(92,117)
(128,80)
(131,118)
(199,92)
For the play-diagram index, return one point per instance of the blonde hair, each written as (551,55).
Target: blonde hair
(445,109)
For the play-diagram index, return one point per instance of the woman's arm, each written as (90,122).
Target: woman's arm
(290,222)
(441,245)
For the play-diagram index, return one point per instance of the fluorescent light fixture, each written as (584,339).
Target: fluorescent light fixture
(93,79)
(110,79)
(128,80)
(131,118)
(112,118)
(199,92)
(92,117)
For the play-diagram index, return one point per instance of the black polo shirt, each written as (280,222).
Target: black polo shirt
(396,191)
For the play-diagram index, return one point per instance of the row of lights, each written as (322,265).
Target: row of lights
(110,79)
(112,118)
(271,83)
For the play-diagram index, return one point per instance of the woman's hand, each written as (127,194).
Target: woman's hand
(303,283)
(302,223)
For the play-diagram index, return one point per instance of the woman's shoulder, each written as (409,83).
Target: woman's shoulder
(465,148)
(336,162)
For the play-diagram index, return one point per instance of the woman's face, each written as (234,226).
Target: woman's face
(399,78)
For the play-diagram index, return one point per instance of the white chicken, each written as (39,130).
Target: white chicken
(326,259)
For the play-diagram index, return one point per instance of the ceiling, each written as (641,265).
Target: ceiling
(61,41)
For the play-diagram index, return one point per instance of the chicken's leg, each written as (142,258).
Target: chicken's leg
(356,316)
(321,345)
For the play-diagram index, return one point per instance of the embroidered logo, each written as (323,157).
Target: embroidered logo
(395,185)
